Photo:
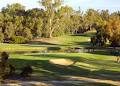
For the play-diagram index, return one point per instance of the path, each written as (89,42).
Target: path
(72,81)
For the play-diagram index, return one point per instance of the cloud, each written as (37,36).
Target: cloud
(27,3)
(84,4)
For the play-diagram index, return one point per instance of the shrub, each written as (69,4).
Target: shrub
(1,37)
(18,40)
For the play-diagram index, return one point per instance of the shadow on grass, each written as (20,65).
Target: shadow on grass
(54,56)
(45,68)
(48,71)
(83,44)
(104,63)
(85,35)
(102,52)
(41,43)
(53,48)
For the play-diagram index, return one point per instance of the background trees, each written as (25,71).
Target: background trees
(113,30)
(18,25)
(51,8)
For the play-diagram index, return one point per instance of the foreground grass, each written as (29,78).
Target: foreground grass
(87,65)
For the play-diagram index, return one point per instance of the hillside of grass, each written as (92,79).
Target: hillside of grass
(18,47)
(66,41)
(94,65)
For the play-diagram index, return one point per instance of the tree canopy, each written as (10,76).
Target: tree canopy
(18,25)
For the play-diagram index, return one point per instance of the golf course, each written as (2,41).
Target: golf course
(50,61)
(59,43)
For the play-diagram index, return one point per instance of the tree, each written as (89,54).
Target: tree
(27,33)
(1,37)
(53,20)
(34,21)
(14,9)
(51,7)
(65,14)
(9,31)
(89,18)
(113,30)
(76,23)
(105,15)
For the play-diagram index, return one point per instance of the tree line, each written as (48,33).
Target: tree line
(18,25)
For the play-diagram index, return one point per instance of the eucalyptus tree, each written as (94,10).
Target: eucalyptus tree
(65,14)
(1,37)
(50,8)
(113,30)
(34,21)
(105,14)
(91,18)
(14,9)
(77,21)
(96,20)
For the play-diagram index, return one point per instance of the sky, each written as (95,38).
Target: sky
(111,5)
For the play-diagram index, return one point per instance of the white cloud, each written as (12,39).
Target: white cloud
(84,4)
(27,3)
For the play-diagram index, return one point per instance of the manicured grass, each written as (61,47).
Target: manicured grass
(87,65)
(18,47)
(77,40)
(98,64)
(62,42)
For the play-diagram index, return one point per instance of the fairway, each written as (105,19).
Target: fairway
(87,65)
(62,42)
(99,66)
(59,43)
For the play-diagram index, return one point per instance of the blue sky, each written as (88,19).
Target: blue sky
(112,5)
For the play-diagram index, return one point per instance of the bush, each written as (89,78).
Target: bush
(1,37)
(18,40)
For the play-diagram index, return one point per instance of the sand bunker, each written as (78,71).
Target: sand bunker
(65,62)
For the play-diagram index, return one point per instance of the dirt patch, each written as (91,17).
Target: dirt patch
(65,62)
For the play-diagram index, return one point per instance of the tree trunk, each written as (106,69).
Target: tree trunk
(50,29)
(50,35)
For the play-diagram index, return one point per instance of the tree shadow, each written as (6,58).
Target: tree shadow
(45,70)
(83,44)
(45,67)
(101,52)
(41,43)
(54,56)
(54,48)
(105,63)
(84,35)
(52,71)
